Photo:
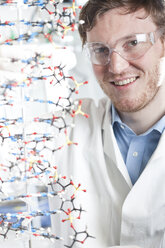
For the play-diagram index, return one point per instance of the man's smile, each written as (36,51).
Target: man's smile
(124,82)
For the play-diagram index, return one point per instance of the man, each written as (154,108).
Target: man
(120,157)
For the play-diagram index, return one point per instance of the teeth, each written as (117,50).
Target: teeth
(124,82)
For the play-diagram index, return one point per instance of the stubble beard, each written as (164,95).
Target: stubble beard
(138,102)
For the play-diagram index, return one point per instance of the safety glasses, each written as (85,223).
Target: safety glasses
(130,47)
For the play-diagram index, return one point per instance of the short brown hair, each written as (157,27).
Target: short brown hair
(94,8)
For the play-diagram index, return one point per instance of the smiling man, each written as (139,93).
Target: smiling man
(121,152)
(125,50)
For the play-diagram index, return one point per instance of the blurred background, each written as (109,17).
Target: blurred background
(76,64)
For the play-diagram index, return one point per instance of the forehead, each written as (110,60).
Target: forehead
(114,25)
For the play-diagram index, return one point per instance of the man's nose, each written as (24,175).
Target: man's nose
(117,64)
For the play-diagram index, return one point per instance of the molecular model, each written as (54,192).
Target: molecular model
(34,125)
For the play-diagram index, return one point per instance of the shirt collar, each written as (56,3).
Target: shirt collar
(116,119)
(115,116)
(159,126)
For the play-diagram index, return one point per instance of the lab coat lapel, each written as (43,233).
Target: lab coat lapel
(160,150)
(111,148)
(155,166)
(143,219)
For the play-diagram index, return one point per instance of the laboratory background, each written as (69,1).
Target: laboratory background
(43,69)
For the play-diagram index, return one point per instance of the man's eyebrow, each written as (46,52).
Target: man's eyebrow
(129,36)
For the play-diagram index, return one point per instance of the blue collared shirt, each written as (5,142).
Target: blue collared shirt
(136,150)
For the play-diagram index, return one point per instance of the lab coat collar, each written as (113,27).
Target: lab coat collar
(110,146)
(159,152)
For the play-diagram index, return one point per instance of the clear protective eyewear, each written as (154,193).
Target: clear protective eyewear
(130,47)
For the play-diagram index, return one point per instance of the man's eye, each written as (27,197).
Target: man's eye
(101,50)
(132,43)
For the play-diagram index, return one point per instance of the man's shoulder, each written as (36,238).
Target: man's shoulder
(95,111)
(99,107)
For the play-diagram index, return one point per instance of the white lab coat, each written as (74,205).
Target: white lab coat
(118,214)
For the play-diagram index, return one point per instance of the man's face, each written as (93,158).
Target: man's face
(142,74)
